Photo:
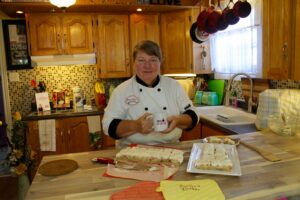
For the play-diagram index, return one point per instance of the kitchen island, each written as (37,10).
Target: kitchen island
(261,179)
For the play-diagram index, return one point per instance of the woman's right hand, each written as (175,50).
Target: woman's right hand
(145,123)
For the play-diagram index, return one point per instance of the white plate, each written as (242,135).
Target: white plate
(232,153)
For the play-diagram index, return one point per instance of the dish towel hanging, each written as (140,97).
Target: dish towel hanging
(94,123)
(47,135)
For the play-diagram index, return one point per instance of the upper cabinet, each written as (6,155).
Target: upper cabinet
(143,27)
(296,69)
(277,38)
(176,43)
(52,34)
(113,59)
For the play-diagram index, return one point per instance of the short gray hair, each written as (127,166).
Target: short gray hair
(149,47)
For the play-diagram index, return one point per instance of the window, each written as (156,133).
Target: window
(238,48)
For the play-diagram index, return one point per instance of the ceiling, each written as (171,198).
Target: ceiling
(10,8)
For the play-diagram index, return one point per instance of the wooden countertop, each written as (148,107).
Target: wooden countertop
(261,179)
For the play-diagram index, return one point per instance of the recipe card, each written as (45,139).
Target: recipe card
(42,101)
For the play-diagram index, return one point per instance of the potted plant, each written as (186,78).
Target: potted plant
(21,157)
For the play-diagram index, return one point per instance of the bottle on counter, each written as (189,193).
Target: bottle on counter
(77,97)
(212,99)
(198,97)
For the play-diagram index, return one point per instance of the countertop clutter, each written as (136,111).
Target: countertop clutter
(63,113)
(260,179)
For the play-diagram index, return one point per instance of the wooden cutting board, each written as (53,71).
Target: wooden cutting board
(267,155)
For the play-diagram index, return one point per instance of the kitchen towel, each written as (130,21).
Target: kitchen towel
(47,135)
(94,123)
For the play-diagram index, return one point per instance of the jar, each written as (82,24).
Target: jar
(205,98)
(198,97)
(77,97)
(212,99)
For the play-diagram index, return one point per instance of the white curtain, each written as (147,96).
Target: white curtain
(238,48)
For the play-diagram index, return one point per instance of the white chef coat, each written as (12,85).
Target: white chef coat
(130,100)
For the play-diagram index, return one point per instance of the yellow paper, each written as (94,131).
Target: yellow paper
(186,190)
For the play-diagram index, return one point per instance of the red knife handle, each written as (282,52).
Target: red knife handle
(105,160)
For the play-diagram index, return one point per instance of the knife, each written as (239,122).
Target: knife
(128,166)
(104,160)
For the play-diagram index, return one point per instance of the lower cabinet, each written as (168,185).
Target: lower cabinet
(193,134)
(207,130)
(106,141)
(201,130)
(72,135)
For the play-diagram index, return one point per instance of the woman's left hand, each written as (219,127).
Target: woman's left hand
(178,121)
(173,122)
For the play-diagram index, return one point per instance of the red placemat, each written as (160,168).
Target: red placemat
(145,190)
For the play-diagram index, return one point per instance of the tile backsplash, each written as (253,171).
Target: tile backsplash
(66,77)
(55,77)
(274,84)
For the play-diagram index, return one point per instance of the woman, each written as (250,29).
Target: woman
(127,117)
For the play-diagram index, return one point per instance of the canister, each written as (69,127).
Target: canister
(205,98)
(198,97)
(77,97)
(212,99)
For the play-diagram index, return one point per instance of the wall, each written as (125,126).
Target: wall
(56,77)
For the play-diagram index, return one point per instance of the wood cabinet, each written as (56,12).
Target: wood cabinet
(201,130)
(176,43)
(113,59)
(193,134)
(52,34)
(106,141)
(143,27)
(295,72)
(72,135)
(207,131)
(277,38)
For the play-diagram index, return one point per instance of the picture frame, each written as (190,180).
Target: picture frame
(15,41)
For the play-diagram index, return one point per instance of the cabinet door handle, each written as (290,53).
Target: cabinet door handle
(59,43)
(64,43)
(69,132)
(62,138)
(284,50)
